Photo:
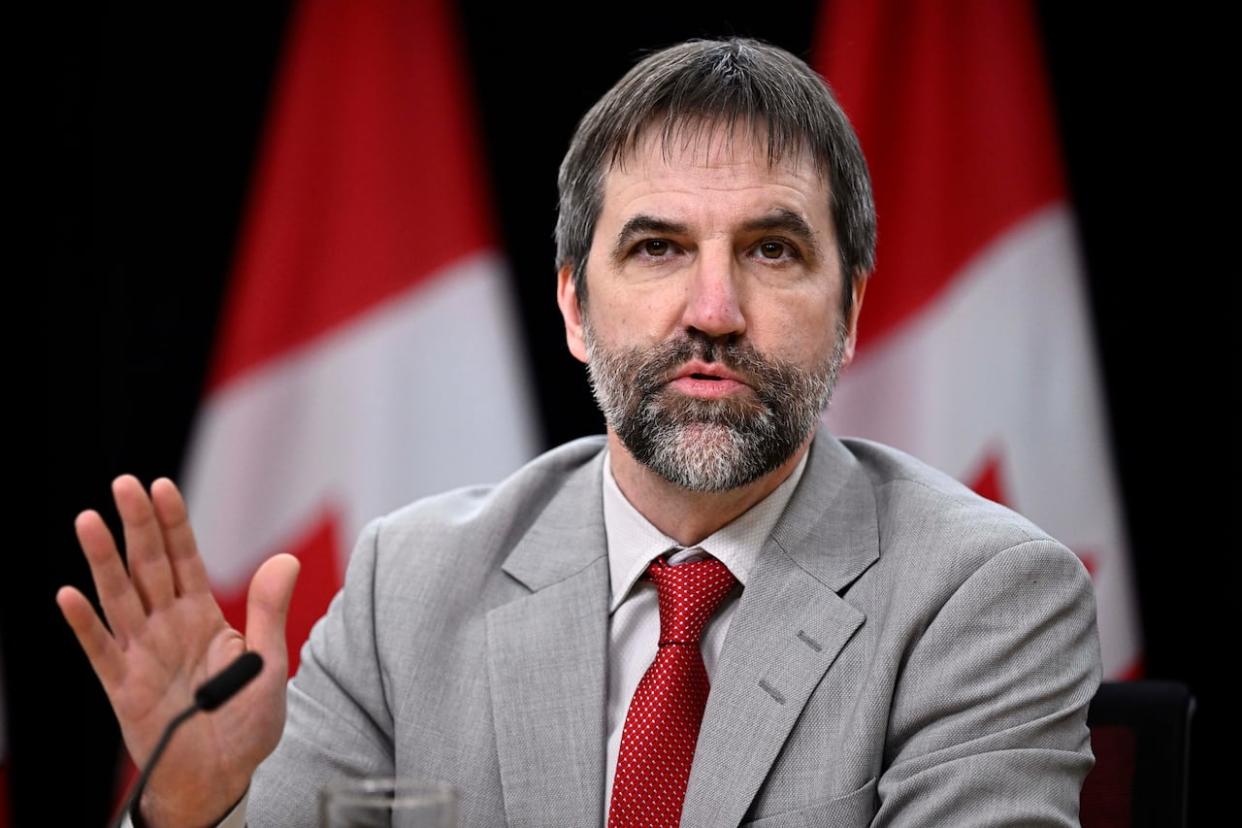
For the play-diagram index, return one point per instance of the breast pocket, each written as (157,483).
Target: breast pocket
(852,809)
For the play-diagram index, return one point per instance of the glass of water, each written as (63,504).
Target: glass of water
(388,803)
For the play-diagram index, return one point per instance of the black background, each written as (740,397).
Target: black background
(153,124)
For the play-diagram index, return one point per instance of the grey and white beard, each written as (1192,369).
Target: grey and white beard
(708,445)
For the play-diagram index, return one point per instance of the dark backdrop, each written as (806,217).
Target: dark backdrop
(155,115)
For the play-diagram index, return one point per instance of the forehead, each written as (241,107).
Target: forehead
(718,171)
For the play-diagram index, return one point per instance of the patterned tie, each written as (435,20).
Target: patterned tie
(662,725)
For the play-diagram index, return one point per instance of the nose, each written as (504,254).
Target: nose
(713,304)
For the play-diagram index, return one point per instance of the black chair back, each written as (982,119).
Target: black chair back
(1140,733)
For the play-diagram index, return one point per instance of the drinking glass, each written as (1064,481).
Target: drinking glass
(381,803)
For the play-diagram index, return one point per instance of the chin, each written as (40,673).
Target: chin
(704,457)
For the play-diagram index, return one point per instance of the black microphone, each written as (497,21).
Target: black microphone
(210,694)
(220,688)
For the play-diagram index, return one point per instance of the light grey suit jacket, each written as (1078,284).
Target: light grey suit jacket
(905,653)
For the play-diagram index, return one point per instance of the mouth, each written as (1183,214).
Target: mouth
(707,380)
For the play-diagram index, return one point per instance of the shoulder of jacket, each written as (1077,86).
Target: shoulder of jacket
(922,507)
(479,508)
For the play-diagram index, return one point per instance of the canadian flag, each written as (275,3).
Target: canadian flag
(975,350)
(367,353)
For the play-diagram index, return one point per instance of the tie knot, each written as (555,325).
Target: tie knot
(689,594)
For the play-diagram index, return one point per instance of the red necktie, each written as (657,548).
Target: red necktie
(662,725)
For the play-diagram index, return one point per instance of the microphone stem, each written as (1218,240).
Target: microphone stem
(149,765)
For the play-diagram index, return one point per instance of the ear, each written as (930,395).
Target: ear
(567,299)
(851,324)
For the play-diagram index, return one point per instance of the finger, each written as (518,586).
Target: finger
(101,649)
(144,544)
(121,604)
(267,607)
(189,574)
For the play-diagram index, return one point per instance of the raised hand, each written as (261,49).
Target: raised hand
(165,635)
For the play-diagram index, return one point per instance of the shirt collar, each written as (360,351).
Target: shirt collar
(633,542)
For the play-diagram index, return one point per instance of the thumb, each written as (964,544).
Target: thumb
(267,607)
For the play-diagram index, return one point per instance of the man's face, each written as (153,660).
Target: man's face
(713,329)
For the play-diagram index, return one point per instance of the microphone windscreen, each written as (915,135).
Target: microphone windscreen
(221,687)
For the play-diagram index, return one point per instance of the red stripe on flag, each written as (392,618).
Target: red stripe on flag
(318,550)
(1108,791)
(989,481)
(126,777)
(950,102)
(368,180)
(5,816)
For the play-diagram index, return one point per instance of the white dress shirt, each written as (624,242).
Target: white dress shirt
(634,625)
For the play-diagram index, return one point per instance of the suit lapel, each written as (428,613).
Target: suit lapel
(789,627)
(547,656)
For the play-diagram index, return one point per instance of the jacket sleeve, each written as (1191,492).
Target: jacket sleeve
(988,719)
(339,723)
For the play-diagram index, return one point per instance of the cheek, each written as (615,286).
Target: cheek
(635,312)
(798,329)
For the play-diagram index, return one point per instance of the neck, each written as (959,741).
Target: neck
(687,516)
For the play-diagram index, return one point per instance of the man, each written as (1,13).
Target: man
(882,646)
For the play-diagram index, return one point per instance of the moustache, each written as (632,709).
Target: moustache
(662,363)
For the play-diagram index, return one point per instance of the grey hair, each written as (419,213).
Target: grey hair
(702,84)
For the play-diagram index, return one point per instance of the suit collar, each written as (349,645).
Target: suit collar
(789,628)
(568,534)
(633,542)
(547,656)
(547,669)
(830,528)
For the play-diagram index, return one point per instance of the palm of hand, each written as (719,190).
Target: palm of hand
(167,636)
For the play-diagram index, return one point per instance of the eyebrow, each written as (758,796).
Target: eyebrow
(641,224)
(780,219)
(786,221)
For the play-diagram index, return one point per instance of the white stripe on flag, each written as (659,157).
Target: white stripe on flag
(425,392)
(1000,364)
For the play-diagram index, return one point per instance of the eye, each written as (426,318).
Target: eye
(775,250)
(654,247)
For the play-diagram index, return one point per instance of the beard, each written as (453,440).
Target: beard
(709,445)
